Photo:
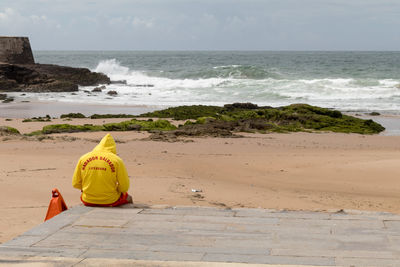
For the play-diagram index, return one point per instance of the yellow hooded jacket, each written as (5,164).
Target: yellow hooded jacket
(101,174)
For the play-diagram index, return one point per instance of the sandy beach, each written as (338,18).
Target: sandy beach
(298,171)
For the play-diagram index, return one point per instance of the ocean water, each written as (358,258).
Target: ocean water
(348,81)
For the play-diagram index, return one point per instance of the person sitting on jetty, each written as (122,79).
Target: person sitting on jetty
(102,177)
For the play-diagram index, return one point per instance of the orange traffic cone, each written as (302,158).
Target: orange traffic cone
(56,206)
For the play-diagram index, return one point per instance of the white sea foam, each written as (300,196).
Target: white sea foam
(226,66)
(144,89)
(115,71)
(111,67)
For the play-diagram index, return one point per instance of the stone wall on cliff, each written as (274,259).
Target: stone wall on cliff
(15,50)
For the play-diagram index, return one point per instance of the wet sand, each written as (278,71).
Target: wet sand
(34,108)
(299,171)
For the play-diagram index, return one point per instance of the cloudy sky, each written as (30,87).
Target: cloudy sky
(204,24)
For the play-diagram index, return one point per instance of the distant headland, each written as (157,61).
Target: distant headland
(20,73)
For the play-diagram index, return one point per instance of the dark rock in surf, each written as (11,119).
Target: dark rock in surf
(98,89)
(112,93)
(8,100)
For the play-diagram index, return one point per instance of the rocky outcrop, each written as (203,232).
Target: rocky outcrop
(19,73)
(46,78)
(79,76)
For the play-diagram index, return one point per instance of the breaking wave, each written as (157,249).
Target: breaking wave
(237,83)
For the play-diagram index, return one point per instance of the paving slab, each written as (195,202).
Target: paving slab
(204,236)
(73,262)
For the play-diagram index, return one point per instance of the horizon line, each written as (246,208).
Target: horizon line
(194,50)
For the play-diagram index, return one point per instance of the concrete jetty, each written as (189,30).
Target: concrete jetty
(203,236)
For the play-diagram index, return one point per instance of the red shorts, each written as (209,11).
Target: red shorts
(121,201)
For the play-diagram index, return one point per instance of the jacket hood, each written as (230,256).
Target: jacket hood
(107,144)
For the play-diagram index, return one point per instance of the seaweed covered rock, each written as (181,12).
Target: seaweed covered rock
(37,119)
(73,115)
(225,121)
(214,128)
(68,128)
(185,112)
(241,106)
(131,125)
(6,130)
(249,117)
(137,125)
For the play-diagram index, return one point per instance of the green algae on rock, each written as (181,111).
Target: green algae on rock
(68,128)
(7,130)
(251,118)
(38,119)
(73,115)
(185,112)
(131,125)
(237,117)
